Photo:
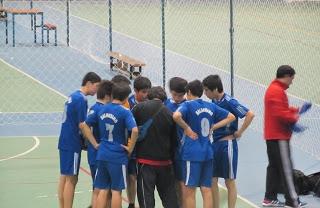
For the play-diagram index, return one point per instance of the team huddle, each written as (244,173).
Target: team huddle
(145,140)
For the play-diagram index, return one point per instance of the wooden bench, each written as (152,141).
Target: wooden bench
(3,13)
(34,12)
(48,27)
(125,64)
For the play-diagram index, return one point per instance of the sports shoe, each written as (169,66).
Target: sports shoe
(300,205)
(272,203)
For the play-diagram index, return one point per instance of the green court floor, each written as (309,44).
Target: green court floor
(30,171)
(21,93)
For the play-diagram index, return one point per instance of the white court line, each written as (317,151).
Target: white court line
(42,196)
(34,79)
(56,195)
(36,145)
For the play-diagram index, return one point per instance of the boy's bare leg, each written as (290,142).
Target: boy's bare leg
(132,189)
(232,192)
(68,192)
(215,192)
(94,197)
(109,197)
(62,182)
(180,188)
(102,198)
(116,199)
(189,197)
(206,196)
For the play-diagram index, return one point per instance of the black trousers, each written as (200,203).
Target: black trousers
(280,171)
(161,177)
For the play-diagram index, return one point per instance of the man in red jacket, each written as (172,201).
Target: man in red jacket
(279,117)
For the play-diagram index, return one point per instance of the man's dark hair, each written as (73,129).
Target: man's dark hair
(157,92)
(120,92)
(195,88)
(213,82)
(120,79)
(90,77)
(285,70)
(105,88)
(141,83)
(178,84)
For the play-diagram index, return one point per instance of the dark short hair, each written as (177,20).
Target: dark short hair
(213,82)
(105,88)
(285,70)
(178,84)
(90,77)
(120,78)
(120,92)
(141,83)
(157,92)
(195,88)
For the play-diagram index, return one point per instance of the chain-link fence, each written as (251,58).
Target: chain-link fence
(187,38)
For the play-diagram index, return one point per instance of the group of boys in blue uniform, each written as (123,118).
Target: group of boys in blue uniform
(207,145)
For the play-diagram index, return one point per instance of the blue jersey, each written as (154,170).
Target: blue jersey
(234,107)
(173,106)
(113,121)
(92,152)
(75,112)
(132,101)
(200,116)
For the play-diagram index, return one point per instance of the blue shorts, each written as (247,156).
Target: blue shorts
(110,176)
(225,159)
(197,174)
(178,169)
(132,167)
(69,162)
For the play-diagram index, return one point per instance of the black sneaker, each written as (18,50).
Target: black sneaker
(300,205)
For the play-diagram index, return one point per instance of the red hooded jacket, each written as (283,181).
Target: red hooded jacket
(278,116)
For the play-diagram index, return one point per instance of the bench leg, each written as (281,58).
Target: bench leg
(47,35)
(140,69)
(111,63)
(31,21)
(55,37)
(6,15)
(35,28)
(131,71)
(13,31)
(42,23)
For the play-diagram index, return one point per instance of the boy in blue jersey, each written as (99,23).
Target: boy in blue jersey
(225,146)
(198,119)
(112,158)
(75,113)
(103,97)
(141,86)
(177,90)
